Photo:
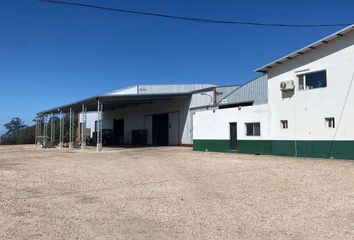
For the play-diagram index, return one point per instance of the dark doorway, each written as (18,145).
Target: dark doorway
(233,136)
(118,131)
(160,130)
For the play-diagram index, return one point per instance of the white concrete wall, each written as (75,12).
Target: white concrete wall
(306,110)
(215,124)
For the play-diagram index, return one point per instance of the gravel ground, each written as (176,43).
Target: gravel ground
(172,193)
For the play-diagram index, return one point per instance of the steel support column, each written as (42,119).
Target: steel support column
(52,128)
(36,131)
(45,134)
(71,128)
(99,125)
(61,130)
(83,126)
(39,135)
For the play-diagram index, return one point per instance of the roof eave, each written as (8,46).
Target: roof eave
(323,41)
(108,98)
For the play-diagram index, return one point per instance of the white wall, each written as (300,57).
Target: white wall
(215,124)
(91,117)
(306,110)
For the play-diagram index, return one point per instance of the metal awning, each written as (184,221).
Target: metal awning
(113,102)
(130,96)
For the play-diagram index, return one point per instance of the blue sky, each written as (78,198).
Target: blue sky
(51,54)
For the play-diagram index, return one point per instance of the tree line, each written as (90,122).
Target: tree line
(17,132)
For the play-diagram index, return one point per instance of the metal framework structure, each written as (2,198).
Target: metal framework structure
(44,121)
(99,124)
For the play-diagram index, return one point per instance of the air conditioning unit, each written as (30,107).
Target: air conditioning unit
(287,86)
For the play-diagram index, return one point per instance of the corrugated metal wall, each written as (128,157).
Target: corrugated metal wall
(255,90)
(202,99)
(222,92)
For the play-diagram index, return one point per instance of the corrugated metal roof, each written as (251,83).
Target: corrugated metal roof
(310,47)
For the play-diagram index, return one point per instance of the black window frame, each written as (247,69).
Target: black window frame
(330,122)
(255,129)
(284,124)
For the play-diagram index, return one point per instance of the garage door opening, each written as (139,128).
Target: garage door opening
(118,131)
(160,130)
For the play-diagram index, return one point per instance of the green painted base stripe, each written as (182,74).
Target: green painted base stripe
(317,149)
(211,145)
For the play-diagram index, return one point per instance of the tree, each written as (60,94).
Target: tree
(26,136)
(18,133)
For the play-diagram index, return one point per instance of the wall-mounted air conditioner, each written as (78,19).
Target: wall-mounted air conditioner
(287,86)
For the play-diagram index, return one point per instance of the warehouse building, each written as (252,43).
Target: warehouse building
(307,112)
(158,115)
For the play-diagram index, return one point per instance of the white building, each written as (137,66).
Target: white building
(309,111)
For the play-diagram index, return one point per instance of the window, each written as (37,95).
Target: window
(330,122)
(312,80)
(253,129)
(284,124)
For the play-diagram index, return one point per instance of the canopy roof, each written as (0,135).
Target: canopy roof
(133,95)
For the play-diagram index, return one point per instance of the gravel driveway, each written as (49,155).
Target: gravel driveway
(172,193)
